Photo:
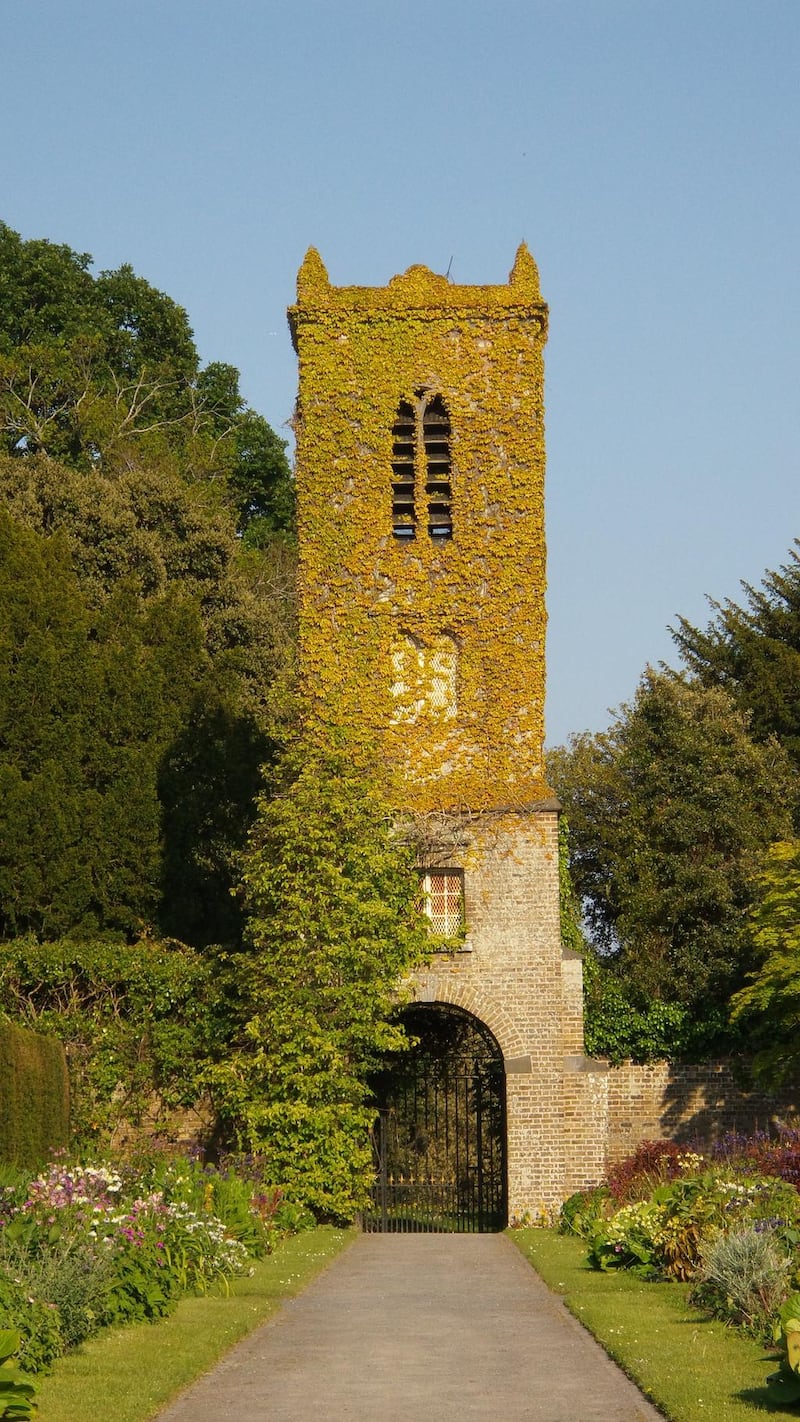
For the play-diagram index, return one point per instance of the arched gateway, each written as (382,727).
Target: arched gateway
(420,481)
(440,1132)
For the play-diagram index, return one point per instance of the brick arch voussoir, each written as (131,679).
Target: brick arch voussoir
(481,1006)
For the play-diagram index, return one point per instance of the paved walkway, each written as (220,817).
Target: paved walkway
(406,1328)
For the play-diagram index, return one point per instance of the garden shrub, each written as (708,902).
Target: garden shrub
(664,1235)
(650,1165)
(16,1390)
(762,1153)
(38,1326)
(136,1020)
(580,1213)
(334,929)
(784,1385)
(629,1240)
(56,1265)
(34,1095)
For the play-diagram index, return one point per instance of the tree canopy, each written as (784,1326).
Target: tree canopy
(670,812)
(753,652)
(103,372)
(146,602)
(769,1003)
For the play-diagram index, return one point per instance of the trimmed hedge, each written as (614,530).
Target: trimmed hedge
(34,1096)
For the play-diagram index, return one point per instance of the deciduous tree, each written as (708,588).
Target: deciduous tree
(333,928)
(768,1006)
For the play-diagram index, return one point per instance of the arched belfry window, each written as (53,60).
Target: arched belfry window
(421,457)
(404,512)
(436,443)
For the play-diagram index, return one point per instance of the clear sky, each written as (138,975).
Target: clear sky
(646,150)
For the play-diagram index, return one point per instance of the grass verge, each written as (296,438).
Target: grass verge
(141,1368)
(691,1368)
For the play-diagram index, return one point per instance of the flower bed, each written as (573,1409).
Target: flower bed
(86,1246)
(724,1218)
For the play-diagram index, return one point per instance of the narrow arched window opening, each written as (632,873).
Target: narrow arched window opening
(436,440)
(404,514)
(421,451)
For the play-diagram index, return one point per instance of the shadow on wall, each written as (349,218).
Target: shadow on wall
(689,1103)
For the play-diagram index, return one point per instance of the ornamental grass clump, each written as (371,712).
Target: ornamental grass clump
(743,1277)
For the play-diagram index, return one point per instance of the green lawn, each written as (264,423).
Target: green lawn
(132,1373)
(692,1369)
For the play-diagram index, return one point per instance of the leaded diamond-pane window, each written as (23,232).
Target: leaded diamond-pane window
(443,893)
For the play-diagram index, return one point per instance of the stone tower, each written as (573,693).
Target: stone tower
(420,480)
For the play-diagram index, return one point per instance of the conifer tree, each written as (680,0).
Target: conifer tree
(753,652)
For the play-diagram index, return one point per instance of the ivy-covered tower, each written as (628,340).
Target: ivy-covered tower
(420,482)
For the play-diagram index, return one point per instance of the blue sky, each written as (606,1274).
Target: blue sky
(646,150)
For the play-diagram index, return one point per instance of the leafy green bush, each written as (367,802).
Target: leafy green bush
(16,1390)
(137,1021)
(784,1385)
(38,1326)
(334,925)
(650,1165)
(60,1267)
(581,1213)
(630,1240)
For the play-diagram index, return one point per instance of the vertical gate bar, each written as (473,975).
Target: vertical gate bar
(474,1223)
(479,1148)
(470,1173)
(382,1146)
(458,1134)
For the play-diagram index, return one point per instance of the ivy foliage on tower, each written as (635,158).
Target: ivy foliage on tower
(369,601)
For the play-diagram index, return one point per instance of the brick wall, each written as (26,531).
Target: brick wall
(684,1103)
(513,976)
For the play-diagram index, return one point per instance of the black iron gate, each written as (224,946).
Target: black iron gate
(439,1137)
